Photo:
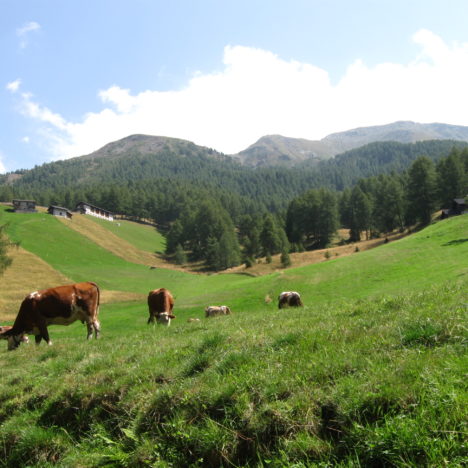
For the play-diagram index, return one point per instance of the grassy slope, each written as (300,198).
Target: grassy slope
(103,236)
(419,261)
(142,236)
(369,373)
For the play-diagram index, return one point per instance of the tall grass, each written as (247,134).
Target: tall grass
(360,383)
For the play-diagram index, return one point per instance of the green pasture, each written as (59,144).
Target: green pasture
(142,236)
(356,383)
(371,372)
(427,258)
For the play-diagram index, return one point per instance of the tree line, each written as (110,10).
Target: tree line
(221,226)
(379,204)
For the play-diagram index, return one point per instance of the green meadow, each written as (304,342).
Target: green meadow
(144,237)
(370,372)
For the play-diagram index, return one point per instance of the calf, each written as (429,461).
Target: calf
(62,305)
(160,305)
(289,299)
(212,311)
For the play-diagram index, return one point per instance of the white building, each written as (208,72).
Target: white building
(87,208)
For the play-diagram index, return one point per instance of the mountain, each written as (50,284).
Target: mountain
(138,144)
(273,150)
(278,150)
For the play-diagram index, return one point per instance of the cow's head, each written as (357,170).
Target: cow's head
(164,318)
(14,340)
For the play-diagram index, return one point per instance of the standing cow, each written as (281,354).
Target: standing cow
(160,305)
(62,305)
(289,299)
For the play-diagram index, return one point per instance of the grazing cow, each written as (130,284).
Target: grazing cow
(289,299)
(5,328)
(62,305)
(212,311)
(160,305)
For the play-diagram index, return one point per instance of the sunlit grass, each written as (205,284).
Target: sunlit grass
(370,372)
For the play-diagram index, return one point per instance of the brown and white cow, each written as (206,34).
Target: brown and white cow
(289,299)
(160,305)
(62,305)
(213,311)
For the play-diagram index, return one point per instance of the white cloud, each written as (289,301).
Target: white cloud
(257,93)
(13,86)
(25,139)
(24,31)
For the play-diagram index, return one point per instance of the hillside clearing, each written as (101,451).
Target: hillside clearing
(103,236)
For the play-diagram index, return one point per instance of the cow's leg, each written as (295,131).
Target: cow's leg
(43,331)
(97,328)
(37,338)
(89,326)
(151,319)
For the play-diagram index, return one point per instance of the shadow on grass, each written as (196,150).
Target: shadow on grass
(455,242)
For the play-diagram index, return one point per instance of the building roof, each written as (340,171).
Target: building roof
(59,208)
(92,206)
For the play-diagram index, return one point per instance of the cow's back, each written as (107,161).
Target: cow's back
(62,301)
(160,300)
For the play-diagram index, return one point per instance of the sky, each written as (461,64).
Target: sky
(78,74)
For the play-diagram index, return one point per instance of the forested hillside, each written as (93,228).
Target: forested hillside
(215,210)
(178,165)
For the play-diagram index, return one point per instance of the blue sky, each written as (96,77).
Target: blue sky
(75,75)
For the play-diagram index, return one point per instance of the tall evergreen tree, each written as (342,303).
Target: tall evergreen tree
(451,178)
(389,208)
(174,237)
(229,252)
(360,214)
(272,237)
(422,191)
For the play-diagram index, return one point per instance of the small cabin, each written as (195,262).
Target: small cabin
(24,206)
(59,211)
(459,207)
(87,208)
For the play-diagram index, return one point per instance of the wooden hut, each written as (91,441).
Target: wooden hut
(24,206)
(59,211)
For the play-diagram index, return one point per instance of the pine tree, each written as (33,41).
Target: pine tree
(212,257)
(360,214)
(451,178)
(422,188)
(229,252)
(174,237)
(180,257)
(285,259)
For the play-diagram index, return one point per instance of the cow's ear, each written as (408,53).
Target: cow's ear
(171,316)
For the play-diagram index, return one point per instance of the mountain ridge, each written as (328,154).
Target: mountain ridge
(279,150)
